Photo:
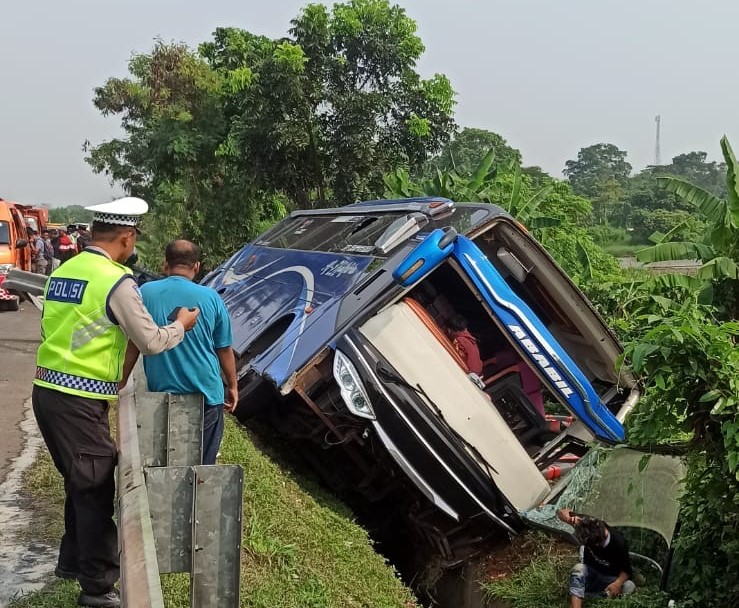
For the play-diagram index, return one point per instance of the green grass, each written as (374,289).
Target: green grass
(57,594)
(622,250)
(42,484)
(298,551)
(543,582)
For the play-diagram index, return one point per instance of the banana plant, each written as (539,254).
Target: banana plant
(487,183)
(718,251)
(525,209)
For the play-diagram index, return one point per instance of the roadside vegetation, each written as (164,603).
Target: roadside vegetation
(299,550)
(540,575)
(681,338)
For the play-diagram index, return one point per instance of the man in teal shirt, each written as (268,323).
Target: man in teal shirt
(196,364)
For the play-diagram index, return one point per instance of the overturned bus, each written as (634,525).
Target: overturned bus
(341,326)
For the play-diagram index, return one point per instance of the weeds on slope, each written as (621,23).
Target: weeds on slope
(58,594)
(42,484)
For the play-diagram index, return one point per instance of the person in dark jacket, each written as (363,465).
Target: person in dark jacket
(83,238)
(48,251)
(605,566)
(465,343)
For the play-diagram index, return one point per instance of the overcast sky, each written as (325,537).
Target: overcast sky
(551,76)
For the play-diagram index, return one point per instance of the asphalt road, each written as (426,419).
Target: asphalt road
(19,338)
(25,566)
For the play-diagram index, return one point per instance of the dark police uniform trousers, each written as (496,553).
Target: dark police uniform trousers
(77,434)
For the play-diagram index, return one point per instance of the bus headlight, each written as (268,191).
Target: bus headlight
(350,385)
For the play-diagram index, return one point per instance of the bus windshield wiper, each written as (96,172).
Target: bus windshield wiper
(388,375)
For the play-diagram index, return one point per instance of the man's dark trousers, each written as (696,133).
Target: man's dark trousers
(77,434)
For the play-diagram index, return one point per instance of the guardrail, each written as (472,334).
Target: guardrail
(175,515)
(26,282)
(139,568)
(29,284)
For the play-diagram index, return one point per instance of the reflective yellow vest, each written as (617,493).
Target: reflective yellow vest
(82,350)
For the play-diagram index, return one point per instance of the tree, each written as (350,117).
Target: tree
(467,147)
(595,166)
(599,173)
(69,214)
(646,203)
(223,141)
(324,114)
(693,167)
(175,123)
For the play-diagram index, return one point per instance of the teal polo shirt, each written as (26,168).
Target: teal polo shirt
(192,366)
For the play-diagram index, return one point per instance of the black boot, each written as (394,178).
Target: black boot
(111,599)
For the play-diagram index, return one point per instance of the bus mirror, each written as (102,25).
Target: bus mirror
(400,230)
(450,235)
(515,266)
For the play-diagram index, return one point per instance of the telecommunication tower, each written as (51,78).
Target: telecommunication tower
(657,151)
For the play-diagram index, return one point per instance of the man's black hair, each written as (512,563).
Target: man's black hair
(591,532)
(457,323)
(108,232)
(182,253)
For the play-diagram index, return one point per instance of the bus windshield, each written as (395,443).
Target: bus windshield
(344,232)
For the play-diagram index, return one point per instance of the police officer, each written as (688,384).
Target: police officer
(92,306)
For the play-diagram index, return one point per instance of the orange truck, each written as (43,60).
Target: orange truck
(14,248)
(35,217)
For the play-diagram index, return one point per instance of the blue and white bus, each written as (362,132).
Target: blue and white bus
(341,326)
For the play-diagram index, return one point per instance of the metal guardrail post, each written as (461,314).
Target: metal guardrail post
(170,428)
(140,584)
(184,518)
(215,571)
(27,282)
(184,430)
(196,519)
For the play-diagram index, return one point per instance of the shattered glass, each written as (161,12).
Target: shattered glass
(635,492)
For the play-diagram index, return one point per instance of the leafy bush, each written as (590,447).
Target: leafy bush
(548,208)
(583,260)
(690,365)
(686,226)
